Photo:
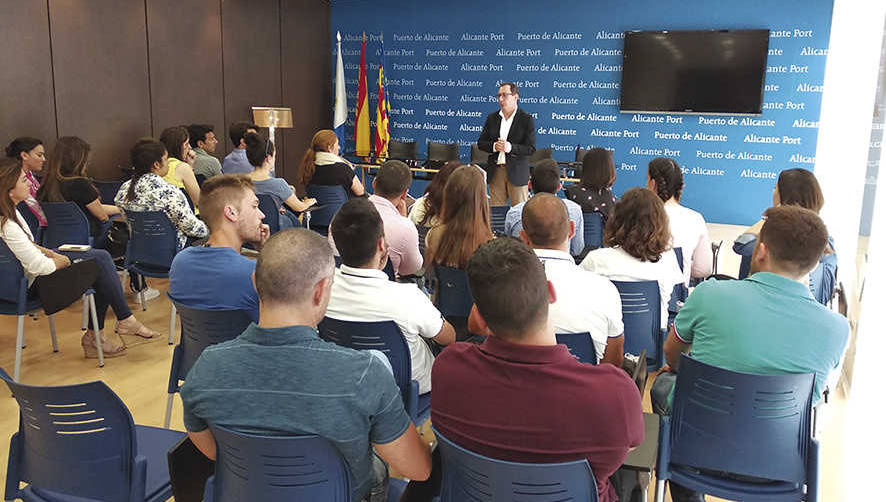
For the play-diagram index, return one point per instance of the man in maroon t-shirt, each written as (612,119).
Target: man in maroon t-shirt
(521,397)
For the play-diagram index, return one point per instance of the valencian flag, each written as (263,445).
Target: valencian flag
(361,118)
(383,111)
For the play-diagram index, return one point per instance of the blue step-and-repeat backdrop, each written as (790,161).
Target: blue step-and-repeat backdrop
(444,62)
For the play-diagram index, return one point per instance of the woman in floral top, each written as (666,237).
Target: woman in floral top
(594,192)
(147,191)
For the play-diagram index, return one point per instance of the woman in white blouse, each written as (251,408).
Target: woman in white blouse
(39,262)
(638,246)
(688,228)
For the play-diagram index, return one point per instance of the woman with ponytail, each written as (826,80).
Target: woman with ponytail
(322,165)
(147,191)
(262,155)
(688,227)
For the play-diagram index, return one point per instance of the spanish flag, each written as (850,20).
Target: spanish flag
(361,118)
(383,111)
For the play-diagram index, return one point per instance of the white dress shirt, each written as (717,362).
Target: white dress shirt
(503,134)
(20,241)
(585,301)
(690,233)
(366,295)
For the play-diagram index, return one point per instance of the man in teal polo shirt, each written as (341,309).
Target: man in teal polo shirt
(280,378)
(768,323)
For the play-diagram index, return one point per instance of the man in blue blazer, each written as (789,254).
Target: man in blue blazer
(509,137)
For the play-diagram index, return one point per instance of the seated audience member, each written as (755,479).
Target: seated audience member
(203,143)
(147,191)
(586,302)
(216,276)
(521,397)
(594,192)
(688,228)
(40,264)
(180,173)
(321,165)
(66,181)
(31,153)
(546,179)
(638,246)
(426,210)
(262,155)
(768,323)
(795,187)
(464,220)
(391,186)
(236,161)
(362,292)
(257,382)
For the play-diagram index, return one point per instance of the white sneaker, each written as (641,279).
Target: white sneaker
(150,294)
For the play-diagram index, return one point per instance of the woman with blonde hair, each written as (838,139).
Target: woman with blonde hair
(464,220)
(323,166)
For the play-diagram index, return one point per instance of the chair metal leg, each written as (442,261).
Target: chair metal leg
(141,299)
(52,333)
(98,332)
(171,323)
(168,416)
(659,490)
(19,341)
(84,318)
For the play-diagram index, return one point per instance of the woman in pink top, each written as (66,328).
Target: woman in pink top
(32,155)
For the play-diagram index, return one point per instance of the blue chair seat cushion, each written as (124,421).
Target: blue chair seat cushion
(154,443)
(424,407)
(731,487)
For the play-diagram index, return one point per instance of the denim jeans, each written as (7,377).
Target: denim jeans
(108,291)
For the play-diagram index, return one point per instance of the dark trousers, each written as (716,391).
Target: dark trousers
(108,292)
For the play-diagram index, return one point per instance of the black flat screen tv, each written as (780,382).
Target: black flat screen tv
(712,71)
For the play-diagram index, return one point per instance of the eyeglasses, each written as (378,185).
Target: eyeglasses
(505,94)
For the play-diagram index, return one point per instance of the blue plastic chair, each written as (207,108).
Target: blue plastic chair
(269,207)
(107,190)
(31,220)
(80,441)
(153,243)
(593,230)
(470,476)
(200,329)
(254,467)
(580,345)
(641,314)
(386,337)
(14,301)
(497,215)
(453,293)
(65,224)
(331,198)
(742,424)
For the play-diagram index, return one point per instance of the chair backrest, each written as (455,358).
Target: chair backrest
(384,336)
(65,224)
(75,439)
(580,345)
(441,153)
(108,189)
(593,229)
(202,328)
(13,284)
(762,421)
(471,476)
(31,220)
(269,207)
(453,293)
(478,156)
(641,314)
(331,197)
(541,154)
(402,150)
(497,216)
(153,240)
(255,467)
